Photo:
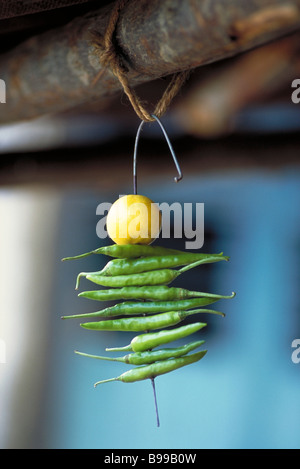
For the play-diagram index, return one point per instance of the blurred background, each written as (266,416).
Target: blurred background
(235,131)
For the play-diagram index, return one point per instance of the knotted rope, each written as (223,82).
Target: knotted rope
(110,57)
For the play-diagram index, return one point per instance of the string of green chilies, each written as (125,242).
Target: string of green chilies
(142,272)
(151,340)
(131,308)
(138,324)
(155,369)
(160,292)
(148,357)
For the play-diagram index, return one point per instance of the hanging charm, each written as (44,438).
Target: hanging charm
(139,274)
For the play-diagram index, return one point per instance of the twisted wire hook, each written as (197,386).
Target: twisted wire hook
(176,178)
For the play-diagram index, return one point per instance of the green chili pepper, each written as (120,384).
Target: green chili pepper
(161,292)
(144,323)
(155,369)
(144,264)
(150,340)
(129,308)
(155,277)
(128,251)
(145,358)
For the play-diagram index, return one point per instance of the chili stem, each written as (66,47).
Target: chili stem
(86,254)
(97,356)
(120,349)
(80,256)
(194,264)
(105,381)
(209,295)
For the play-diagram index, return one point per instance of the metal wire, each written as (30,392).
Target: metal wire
(176,178)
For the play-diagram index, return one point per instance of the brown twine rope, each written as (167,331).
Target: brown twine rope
(109,57)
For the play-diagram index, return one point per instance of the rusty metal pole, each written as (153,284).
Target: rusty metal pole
(56,70)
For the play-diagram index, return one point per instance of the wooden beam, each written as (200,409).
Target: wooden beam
(211,106)
(57,70)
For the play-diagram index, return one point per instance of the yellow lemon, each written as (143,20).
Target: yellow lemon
(133,219)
